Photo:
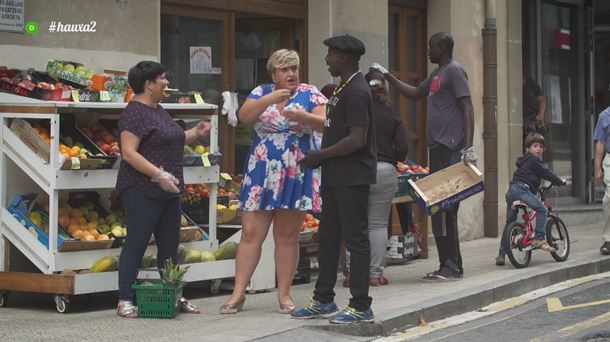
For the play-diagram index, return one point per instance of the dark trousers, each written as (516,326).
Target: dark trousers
(145,216)
(344,217)
(405,216)
(445,224)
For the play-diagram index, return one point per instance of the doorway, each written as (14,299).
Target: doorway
(255,40)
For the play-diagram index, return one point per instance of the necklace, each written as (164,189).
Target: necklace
(341,86)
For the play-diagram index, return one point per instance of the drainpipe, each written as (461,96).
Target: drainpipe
(490,121)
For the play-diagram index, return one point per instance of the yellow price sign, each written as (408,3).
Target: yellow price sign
(225,176)
(75,163)
(104,96)
(198,98)
(205,160)
(75,96)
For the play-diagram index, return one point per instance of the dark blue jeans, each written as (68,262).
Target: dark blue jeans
(521,192)
(145,216)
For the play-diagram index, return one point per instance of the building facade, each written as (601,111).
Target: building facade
(563,45)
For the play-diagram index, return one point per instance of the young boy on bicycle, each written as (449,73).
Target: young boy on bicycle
(523,187)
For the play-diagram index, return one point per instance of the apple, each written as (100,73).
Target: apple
(106,148)
(108,138)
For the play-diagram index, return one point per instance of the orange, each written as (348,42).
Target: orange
(77,213)
(81,220)
(77,233)
(74,151)
(103,237)
(63,221)
(87,237)
(94,233)
(92,225)
(72,228)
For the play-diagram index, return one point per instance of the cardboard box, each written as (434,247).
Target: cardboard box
(36,92)
(54,69)
(26,133)
(21,206)
(23,83)
(443,189)
(403,183)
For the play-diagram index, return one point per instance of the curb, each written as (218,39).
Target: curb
(473,299)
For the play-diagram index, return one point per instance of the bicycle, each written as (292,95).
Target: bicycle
(517,236)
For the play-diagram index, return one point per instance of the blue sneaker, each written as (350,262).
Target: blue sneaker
(315,309)
(351,315)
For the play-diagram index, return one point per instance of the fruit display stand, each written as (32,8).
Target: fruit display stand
(23,171)
(403,195)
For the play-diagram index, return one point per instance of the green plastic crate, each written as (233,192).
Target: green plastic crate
(158,300)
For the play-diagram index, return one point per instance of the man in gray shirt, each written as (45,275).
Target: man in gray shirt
(450,134)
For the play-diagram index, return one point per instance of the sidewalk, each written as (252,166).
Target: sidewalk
(396,306)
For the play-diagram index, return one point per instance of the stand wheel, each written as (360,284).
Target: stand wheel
(3,299)
(215,286)
(62,303)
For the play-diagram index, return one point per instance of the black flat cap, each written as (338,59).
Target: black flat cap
(346,43)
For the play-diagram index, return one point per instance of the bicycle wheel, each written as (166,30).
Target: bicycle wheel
(513,235)
(557,237)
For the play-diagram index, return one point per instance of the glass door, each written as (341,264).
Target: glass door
(559,83)
(255,40)
(600,75)
(194,45)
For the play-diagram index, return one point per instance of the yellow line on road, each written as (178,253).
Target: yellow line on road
(574,329)
(554,304)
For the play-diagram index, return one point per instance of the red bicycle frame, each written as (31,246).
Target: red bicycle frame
(529,219)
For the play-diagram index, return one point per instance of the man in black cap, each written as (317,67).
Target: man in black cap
(349,166)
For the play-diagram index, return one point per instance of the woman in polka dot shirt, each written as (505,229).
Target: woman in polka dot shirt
(150,178)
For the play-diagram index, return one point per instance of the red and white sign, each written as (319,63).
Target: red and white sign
(563,40)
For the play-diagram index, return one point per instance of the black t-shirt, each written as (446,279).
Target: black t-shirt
(391,141)
(350,107)
(531,90)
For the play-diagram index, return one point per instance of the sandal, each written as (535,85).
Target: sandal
(232,308)
(287,308)
(126,309)
(188,307)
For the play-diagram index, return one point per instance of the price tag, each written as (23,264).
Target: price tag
(75,96)
(198,99)
(75,163)
(205,160)
(104,96)
(225,176)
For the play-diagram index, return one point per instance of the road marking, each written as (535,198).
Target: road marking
(574,329)
(554,304)
(491,309)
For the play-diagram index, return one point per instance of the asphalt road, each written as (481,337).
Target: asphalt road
(578,314)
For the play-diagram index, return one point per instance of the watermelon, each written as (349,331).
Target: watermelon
(227,250)
(207,256)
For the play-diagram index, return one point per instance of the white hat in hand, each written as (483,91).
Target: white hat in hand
(378,67)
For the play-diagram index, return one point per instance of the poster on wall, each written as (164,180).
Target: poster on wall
(11,15)
(556,113)
(201,59)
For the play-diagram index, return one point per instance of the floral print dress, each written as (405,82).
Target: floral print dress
(272,176)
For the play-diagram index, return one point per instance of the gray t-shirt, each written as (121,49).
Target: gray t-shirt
(445,85)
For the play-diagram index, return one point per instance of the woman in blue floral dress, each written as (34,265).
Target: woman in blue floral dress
(274,188)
